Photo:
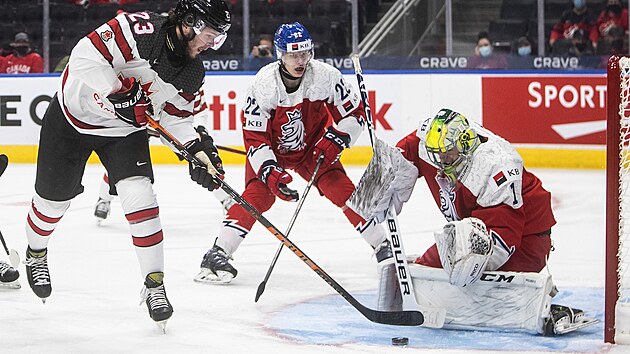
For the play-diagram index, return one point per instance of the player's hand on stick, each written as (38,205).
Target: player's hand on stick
(205,151)
(131,103)
(276,178)
(331,145)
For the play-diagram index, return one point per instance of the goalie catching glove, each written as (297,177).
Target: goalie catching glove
(131,103)
(464,248)
(331,145)
(205,151)
(276,178)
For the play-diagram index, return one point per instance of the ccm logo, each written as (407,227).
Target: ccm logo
(398,256)
(496,278)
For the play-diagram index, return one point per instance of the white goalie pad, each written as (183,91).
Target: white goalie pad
(465,248)
(498,301)
(388,179)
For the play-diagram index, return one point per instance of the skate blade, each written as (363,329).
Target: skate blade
(585,322)
(206,276)
(161,325)
(11,285)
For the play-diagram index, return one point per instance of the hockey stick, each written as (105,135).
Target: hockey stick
(392,226)
(261,286)
(401,318)
(229,149)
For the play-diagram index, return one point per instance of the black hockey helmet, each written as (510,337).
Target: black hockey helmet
(200,13)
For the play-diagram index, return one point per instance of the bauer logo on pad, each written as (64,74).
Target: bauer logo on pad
(499,178)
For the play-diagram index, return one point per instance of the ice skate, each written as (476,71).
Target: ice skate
(8,276)
(154,294)
(215,267)
(37,272)
(564,319)
(102,210)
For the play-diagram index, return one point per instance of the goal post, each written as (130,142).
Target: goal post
(617,280)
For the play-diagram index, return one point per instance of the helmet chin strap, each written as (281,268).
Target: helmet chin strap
(291,82)
(176,47)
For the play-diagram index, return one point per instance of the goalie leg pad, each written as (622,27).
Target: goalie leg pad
(465,248)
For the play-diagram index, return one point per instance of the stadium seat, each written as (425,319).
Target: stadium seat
(518,9)
(507,30)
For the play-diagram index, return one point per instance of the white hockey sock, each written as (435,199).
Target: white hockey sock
(141,210)
(42,219)
(231,236)
(103,191)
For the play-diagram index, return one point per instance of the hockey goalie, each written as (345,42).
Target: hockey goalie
(485,268)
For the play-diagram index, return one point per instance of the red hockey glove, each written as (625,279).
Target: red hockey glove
(276,178)
(331,145)
(131,103)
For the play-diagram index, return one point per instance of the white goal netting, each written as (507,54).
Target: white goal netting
(622,308)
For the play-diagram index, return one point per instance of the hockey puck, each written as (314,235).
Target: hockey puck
(400,341)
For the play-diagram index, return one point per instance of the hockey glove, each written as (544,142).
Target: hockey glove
(205,151)
(276,178)
(331,145)
(131,103)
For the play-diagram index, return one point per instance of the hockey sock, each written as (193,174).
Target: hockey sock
(42,219)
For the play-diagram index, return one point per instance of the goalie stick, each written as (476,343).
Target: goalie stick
(401,318)
(261,286)
(437,317)
(14,257)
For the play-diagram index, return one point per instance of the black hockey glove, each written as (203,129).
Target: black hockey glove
(131,103)
(205,151)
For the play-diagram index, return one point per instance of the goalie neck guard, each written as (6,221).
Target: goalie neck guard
(450,142)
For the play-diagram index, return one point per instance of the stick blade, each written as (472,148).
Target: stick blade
(4,162)
(261,289)
(398,318)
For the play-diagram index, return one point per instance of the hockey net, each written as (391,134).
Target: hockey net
(617,308)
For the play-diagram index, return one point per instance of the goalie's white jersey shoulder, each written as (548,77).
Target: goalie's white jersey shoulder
(496,172)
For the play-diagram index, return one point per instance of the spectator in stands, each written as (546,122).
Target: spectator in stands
(6,50)
(264,48)
(23,61)
(522,54)
(581,45)
(612,26)
(578,17)
(483,57)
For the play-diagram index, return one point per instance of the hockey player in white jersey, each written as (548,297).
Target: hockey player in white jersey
(287,113)
(133,64)
(498,233)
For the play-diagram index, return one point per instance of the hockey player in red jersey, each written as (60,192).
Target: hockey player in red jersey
(133,64)
(499,219)
(287,127)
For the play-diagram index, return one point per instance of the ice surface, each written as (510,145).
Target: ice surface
(96,279)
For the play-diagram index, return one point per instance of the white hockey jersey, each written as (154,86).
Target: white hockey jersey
(284,127)
(129,45)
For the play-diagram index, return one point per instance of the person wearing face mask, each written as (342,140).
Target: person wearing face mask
(612,25)
(484,57)
(522,56)
(23,60)
(578,17)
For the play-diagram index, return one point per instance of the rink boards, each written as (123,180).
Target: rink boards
(555,119)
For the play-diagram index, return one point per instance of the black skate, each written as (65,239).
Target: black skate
(564,319)
(215,267)
(102,210)
(154,295)
(37,272)
(383,251)
(9,276)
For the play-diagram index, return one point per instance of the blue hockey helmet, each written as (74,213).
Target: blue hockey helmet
(292,37)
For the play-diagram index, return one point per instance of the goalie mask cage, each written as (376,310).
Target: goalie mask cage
(617,290)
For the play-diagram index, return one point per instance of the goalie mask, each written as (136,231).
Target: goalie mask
(450,142)
(294,45)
